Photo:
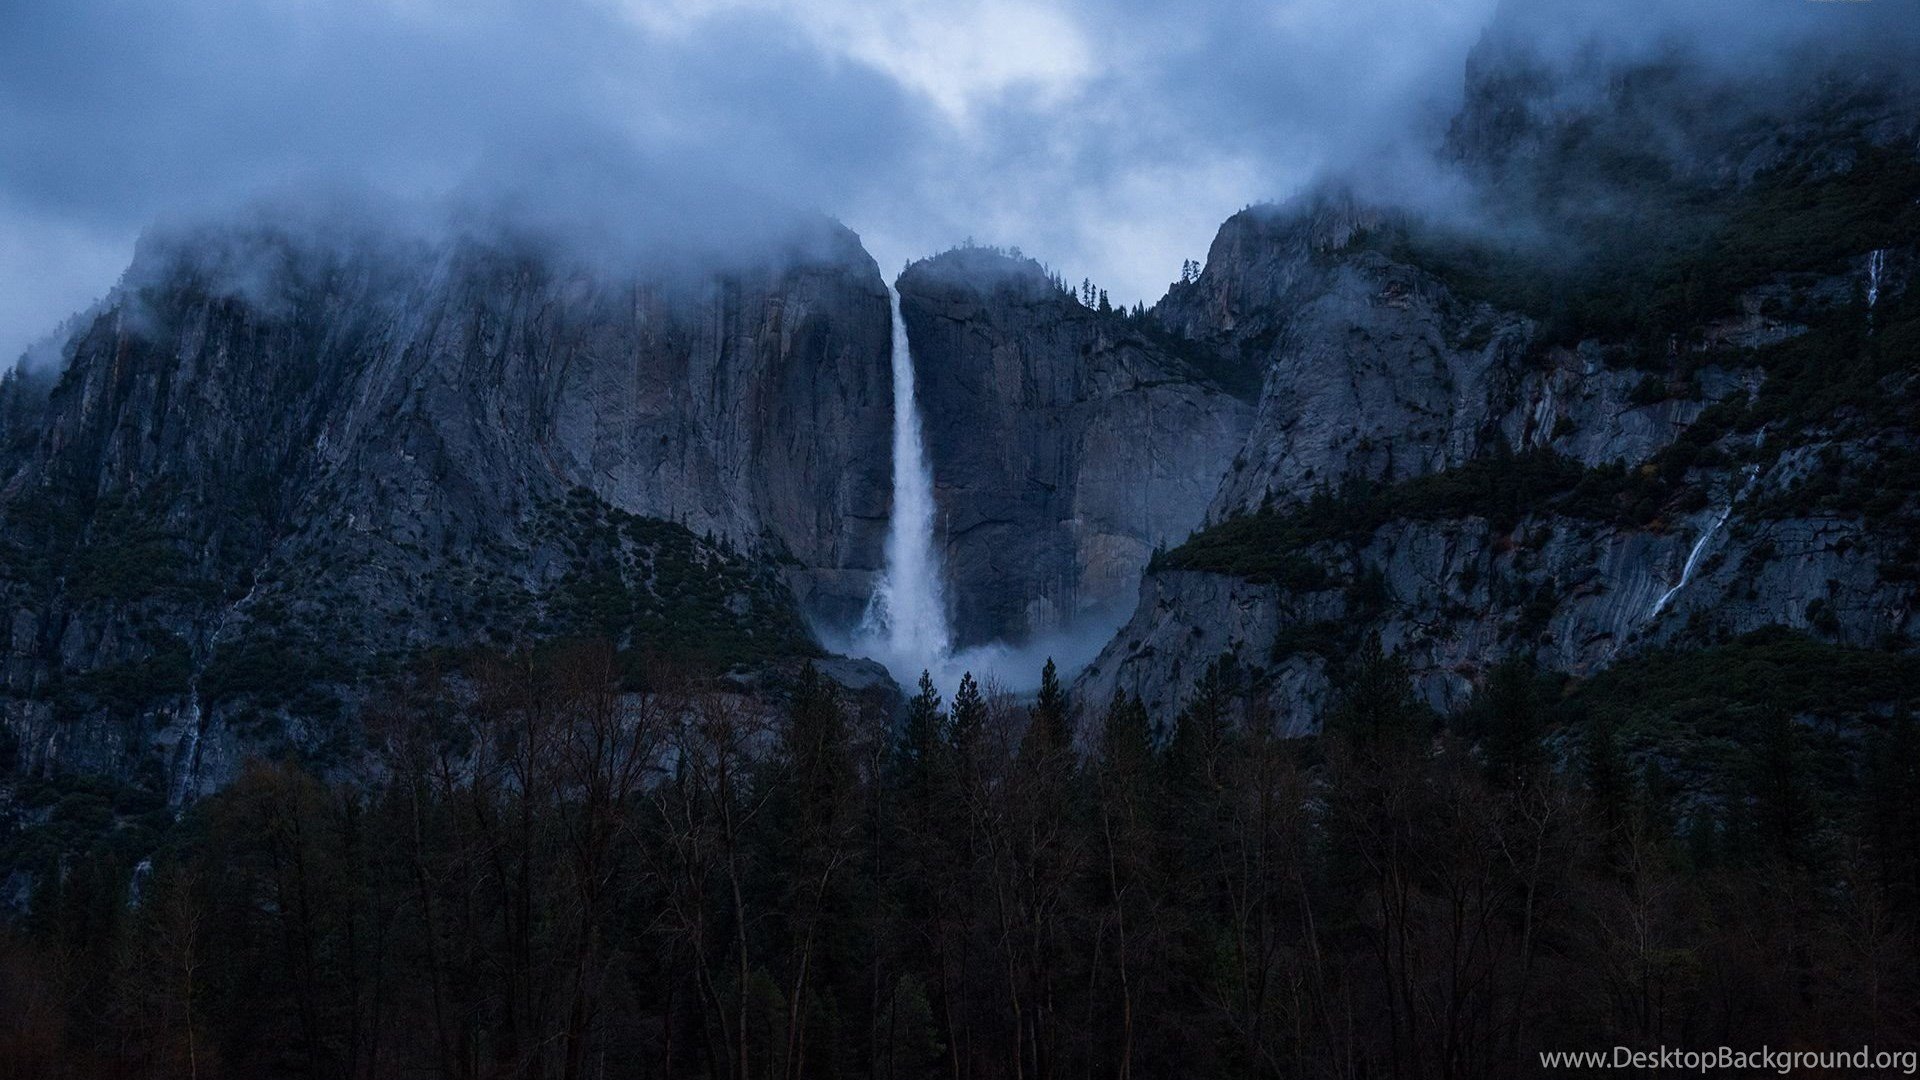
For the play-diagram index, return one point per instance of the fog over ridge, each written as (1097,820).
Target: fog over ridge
(1106,138)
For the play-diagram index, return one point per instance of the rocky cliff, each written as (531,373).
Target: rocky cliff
(285,462)
(1651,384)
(1375,369)
(1666,400)
(277,464)
(1067,442)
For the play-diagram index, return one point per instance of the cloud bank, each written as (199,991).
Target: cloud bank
(1107,137)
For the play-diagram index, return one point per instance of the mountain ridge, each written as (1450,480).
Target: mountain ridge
(394,444)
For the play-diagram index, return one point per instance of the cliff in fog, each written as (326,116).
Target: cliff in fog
(1642,381)
(276,465)
(1651,388)
(1067,442)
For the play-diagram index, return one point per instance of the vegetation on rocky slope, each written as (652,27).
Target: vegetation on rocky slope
(661,593)
(1652,255)
(1274,543)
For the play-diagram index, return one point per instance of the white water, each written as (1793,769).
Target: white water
(1693,558)
(1700,547)
(187,770)
(905,626)
(137,883)
(1876,265)
(186,778)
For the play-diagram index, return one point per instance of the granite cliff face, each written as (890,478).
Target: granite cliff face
(1667,402)
(276,464)
(1654,387)
(1374,369)
(1067,443)
(280,466)
(1452,597)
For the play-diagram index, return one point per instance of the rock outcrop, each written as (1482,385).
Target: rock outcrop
(1664,404)
(1375,369)
(1453,597)
(1067,443)
(1720,398)
(275,462)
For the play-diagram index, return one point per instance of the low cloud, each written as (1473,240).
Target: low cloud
(1108,138)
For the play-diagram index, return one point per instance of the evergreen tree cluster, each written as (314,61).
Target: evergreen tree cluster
(548,875)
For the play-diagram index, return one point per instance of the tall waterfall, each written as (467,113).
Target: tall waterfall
(905,626)
(1706,536)
(185,784)
(186,774)
(1693,557)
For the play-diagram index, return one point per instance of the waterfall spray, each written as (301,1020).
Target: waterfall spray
(186,774)
(1700,545)
(1876,266)
(185,784)
(905,626)
(1693,557)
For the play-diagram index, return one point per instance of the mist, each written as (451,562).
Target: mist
(1010,666)
(1107,138)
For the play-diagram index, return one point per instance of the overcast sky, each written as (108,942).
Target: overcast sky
(1107,138)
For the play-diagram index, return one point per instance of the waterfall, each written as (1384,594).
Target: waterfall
(1876,265)
(1700,546)
(905,626)
(185,783)
(1693,558)
(137,883)
(187,769)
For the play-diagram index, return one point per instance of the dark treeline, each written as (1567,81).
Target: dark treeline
(543,875)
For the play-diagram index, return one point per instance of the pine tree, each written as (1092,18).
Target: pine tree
(1105,307)
(1510,724)
(1783,813)
(1657,799)
(1378,706)
(1126,734)
(1050,710)
(818,751)
(966,719)
(1201,730)
(1892,809)
(917,747)
(811,835)
(1606,775)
